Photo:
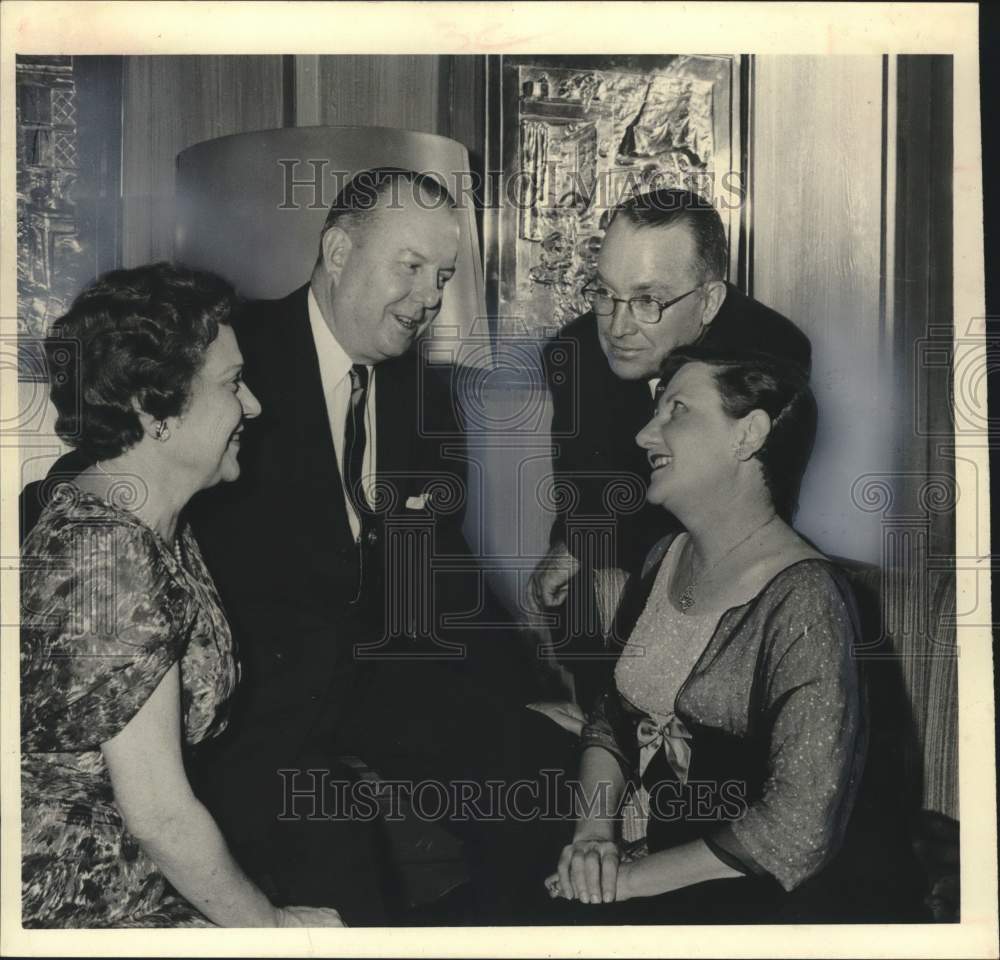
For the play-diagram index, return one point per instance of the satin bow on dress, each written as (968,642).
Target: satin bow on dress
(672,736)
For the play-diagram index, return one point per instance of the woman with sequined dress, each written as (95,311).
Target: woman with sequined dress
(737,720)
(126,655)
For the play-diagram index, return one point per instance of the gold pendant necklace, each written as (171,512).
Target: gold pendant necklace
(687,598)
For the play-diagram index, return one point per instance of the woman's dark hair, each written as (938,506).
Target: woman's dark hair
(139,336)
(755,381)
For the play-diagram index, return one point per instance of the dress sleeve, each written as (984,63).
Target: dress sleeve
(102,622)
(607,727)
(816,738)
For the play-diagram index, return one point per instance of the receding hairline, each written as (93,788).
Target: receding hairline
(646,225)
(697,261)
(705,227)
(357,222)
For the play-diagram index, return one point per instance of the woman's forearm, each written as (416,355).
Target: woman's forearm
(190,850)
(672,869)
(601,786)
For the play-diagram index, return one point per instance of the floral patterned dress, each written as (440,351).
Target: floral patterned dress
(107,608)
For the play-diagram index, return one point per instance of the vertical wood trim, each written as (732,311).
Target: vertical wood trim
(398,90)
(289,111)
(924,314)
(464,79)
(492,192)
(888,252)
(743,275)
(307,96)
(137,149)
(446,96)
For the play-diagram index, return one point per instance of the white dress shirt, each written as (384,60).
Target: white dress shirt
(335,374)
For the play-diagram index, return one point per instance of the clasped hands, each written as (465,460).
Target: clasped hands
(590,870)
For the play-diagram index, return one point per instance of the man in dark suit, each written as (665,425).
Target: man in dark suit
(340,557)
(659,286)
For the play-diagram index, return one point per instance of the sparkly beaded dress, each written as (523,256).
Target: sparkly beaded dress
(745,729)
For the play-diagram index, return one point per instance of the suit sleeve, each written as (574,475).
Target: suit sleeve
(567,464)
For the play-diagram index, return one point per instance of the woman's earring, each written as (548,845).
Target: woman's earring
(739,449)
(162,430)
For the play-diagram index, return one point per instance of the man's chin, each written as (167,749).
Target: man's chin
(629,368)
(400,341)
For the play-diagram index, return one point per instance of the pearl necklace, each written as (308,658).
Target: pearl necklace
(178,551)
(687,599)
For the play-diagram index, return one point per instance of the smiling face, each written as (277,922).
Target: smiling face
(659,262)
(386,276)
(690,443)
(205,439)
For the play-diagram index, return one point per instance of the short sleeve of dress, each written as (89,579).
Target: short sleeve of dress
(102,621)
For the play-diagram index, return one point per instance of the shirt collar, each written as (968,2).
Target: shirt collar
(332,358)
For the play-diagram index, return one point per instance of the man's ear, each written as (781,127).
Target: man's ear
(753,432)
(714,297)
(336,246)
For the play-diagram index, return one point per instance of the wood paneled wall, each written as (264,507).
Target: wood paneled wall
(817,246)
(170,103)
(409,92)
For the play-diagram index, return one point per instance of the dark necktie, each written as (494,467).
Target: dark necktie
(355,439)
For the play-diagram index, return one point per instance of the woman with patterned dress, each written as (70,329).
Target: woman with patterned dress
(737,721)
(126,655)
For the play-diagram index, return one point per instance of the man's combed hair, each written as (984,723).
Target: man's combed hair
(668,207)
(141,336)
(756,381)
(369,190)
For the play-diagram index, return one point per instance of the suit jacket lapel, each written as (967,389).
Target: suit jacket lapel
(314,454)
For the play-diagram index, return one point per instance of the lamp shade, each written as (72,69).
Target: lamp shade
(251,206)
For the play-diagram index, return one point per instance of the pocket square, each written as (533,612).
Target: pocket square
(417,503)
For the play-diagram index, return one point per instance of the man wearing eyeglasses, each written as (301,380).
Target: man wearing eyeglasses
(659,285)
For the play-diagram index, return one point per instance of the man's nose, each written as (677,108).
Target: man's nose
(621,320)
(427,292)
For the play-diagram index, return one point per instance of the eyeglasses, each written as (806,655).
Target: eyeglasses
(644,308)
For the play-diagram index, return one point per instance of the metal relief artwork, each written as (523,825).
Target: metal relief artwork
(589,135)
(48,249)
(67,190)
